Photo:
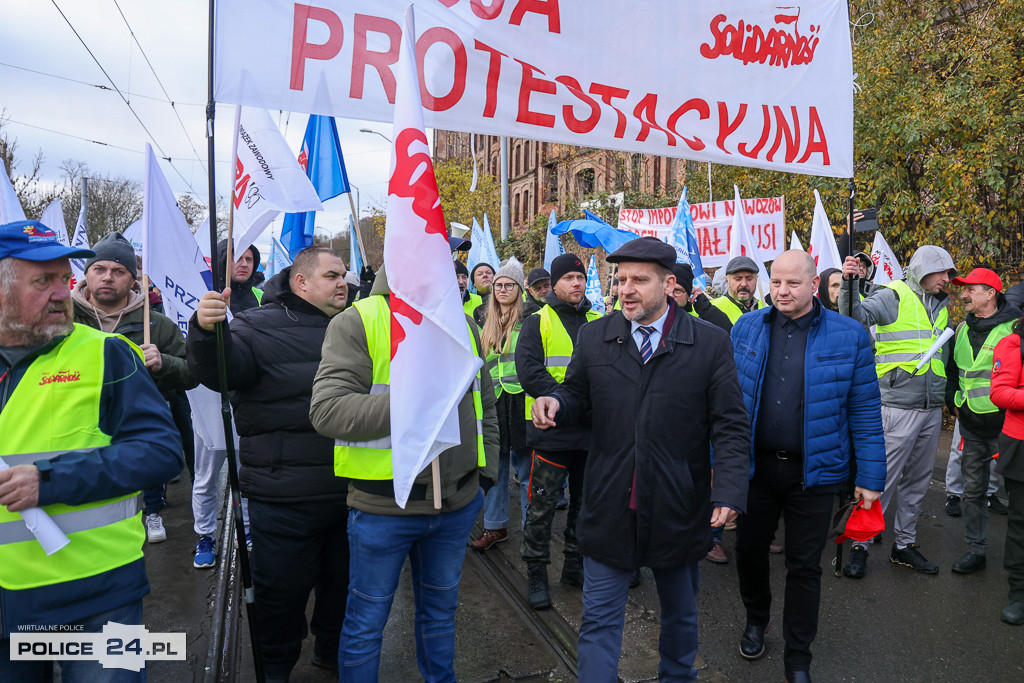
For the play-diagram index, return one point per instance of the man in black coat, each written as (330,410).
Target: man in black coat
(297,511)
(662,389)
(542,354)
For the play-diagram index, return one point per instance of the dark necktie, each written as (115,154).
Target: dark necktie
(646,351)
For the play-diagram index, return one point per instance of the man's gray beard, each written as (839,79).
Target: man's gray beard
(643,314)
(17,333)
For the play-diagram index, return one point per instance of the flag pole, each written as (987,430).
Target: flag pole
(145,308)
(355,226)
(435,474)
(853,288)
(222,374)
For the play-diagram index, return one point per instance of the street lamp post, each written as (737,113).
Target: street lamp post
(375,132)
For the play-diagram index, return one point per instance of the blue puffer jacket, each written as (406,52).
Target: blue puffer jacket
(841,398)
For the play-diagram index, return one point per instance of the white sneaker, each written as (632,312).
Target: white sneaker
(155,532)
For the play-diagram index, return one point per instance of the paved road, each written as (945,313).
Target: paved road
(892,625)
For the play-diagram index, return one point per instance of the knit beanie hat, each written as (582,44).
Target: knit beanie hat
(684,276)
(460,269)
(512,270)
(472,273)
(115,248)
(566,263)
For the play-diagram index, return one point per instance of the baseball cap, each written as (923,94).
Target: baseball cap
(537,275)
(980,276)
(33,241)
(856,523)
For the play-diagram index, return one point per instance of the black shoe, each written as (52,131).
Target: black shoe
(912,557)
(995,505)
(1013,613)
(969,563)
(539,598)
(953,506)
(636,579)
(752,641)
(798,677)
(572,571)
(858,563)
(325,662)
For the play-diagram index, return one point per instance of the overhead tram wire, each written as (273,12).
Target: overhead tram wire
(163,154)
(160,83)
(97,85)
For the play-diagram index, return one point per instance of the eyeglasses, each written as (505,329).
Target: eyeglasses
(505,286)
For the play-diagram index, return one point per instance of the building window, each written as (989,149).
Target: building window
(515,210)
(526,207)
(585,182)
(550,183)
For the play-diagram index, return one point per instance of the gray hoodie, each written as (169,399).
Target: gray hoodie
(898,388)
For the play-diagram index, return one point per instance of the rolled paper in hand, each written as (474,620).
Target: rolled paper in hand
(934,348)
(42,526)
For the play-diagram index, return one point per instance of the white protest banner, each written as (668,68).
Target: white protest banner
(822,245)
(170,255)
(740,82)
(80,238)
(766,218)
(268,178)
(53,218)
(887,266)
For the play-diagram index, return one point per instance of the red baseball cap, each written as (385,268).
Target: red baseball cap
(862,524)
(980,276)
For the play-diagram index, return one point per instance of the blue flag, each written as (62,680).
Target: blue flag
(552,244)
(594,293)
(321,157)
(355,258)
(683,237)
(593,232)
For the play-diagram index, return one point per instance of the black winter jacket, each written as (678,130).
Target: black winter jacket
(537,381)
(654,425)
(273,353)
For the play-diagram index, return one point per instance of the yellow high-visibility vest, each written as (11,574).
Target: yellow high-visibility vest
(729,307)
(502,366)
(372,459)
(55,408)
(471,305)
(557,347)
(975,374)
(906,341)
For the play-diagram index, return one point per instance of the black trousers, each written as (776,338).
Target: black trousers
(777,489)
(181,413)
(1013,558)
(298,548)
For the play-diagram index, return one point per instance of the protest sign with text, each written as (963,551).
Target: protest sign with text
(736,81)
(766,218)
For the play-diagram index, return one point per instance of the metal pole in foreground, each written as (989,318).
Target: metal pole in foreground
(504,186)
(852,285)
(225,409)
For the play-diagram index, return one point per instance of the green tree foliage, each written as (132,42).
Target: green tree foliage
(454,178)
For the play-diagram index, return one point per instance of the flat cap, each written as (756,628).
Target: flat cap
(649,249)
(740,264)
(537,275)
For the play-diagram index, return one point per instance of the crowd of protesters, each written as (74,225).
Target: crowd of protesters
(673,417)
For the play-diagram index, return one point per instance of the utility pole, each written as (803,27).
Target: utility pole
(504,187)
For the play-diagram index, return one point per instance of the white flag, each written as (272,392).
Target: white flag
(432,359)
(79,239)
(741,243)
(794,242)
(822,246)
(887,266)
(53,218)
(278,259)
(170,254)
(552,244)
(492,250)
(134,236)
(594,292)
(268,178)
(10,206)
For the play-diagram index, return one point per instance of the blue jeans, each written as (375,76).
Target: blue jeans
(605,590)
(496,500)
(522,461)
(153,499)
(378,546)
(76,671)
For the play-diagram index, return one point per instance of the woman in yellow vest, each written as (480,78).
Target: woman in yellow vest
(503,316)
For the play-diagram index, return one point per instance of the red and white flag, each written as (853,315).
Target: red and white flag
(432,359)
(822,246)
(741,243)
(887,266)
(268,178)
